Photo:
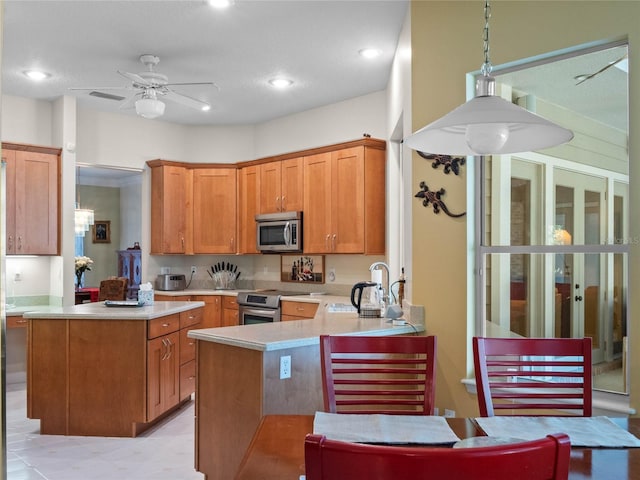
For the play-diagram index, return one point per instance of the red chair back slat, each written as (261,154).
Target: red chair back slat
(533,374)
(391,375)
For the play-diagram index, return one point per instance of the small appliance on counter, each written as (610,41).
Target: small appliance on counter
(170,282)
(365,292)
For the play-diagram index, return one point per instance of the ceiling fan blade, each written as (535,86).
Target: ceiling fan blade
(193,83)
(606,67)
(186,100)
(135,78)
(99,88)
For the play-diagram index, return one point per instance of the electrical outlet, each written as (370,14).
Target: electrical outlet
(449,413)
(165,270)
(18,277)
(285,367)
(193,269)
(332,275)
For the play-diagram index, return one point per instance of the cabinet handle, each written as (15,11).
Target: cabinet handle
(191,344)
(21,320)
(300,309)
(10,242)
(169,349)
(278,205)
(165,325)
(164,353)
(192,377)
(333,243)
(19,242)
(231,243)
(326,242)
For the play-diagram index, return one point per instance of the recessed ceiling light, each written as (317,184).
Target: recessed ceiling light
(370,52)
(206,108)
(36,74)
(281,82)
(220,3)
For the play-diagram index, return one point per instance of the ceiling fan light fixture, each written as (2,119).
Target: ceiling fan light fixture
(488,124)
(149,107)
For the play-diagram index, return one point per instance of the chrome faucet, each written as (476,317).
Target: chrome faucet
(386,297)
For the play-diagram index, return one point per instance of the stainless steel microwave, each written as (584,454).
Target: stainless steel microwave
(279,232)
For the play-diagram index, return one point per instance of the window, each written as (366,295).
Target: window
(553,255)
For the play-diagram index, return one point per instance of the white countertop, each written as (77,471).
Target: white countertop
(98,310)
(299,333)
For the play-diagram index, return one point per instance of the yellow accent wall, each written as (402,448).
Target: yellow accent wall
(446,45)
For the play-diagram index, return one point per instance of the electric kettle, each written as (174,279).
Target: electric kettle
(365,308)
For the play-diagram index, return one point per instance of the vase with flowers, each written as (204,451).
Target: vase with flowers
(82,264)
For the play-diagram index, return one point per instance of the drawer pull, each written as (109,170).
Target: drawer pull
(166,325)
(300,309)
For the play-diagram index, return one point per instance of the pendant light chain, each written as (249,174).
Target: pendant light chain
(486,66)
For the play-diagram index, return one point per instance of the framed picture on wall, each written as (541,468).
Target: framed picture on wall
(102,231)
(302,268)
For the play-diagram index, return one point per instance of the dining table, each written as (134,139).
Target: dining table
(276,451)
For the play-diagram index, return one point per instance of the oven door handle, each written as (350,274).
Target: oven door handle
(255,311)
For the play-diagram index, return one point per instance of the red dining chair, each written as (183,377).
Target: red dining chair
(533,376)
(385,375)
(543,459)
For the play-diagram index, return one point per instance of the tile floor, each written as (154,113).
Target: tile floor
(162,453)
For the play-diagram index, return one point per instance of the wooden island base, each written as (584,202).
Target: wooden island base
(108,377)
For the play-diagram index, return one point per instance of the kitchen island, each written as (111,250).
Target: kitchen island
(239,378)
(102,371)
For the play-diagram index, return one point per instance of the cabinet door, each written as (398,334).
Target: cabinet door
(229,317)
(212,310)
(292,185)
(249,187)
(214,210)
(347,208)
(9,159)
(317,203)
(163,374)
(36,203)
(169,193)
(270,187)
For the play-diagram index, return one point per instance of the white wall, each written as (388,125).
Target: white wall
(25,120)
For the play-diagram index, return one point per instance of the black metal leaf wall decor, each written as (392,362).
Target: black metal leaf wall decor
(451,164)
(435,198)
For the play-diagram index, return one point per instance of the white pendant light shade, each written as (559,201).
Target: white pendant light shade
(488,125)
(149,107)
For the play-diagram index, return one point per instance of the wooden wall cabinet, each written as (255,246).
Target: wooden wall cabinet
(281,185)
(170,203)
(249,186)
(214,210)
(344,201)
(193,208)
(33,199)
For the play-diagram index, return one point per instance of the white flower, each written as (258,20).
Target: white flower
(83,263)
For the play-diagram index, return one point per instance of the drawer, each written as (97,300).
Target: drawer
(163,325)
(187,346)
(171,298)
(229,302)
(191,317)
(299,309)
(187,379)
(16,322)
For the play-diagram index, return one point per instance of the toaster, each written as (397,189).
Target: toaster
(171,282)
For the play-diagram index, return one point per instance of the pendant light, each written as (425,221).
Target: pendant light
(488,124)
(84,217)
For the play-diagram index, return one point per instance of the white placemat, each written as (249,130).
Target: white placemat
(421,429)
(583,431)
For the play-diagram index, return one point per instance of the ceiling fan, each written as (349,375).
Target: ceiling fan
(584,77)
(151,87)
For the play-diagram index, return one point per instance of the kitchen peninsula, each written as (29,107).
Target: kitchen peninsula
(239,377)
(101,371)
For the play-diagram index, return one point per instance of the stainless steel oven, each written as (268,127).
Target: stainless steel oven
(261,306)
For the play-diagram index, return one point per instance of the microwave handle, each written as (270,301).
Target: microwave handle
(287,233)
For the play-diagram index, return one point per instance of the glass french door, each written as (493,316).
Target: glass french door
(580,278)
